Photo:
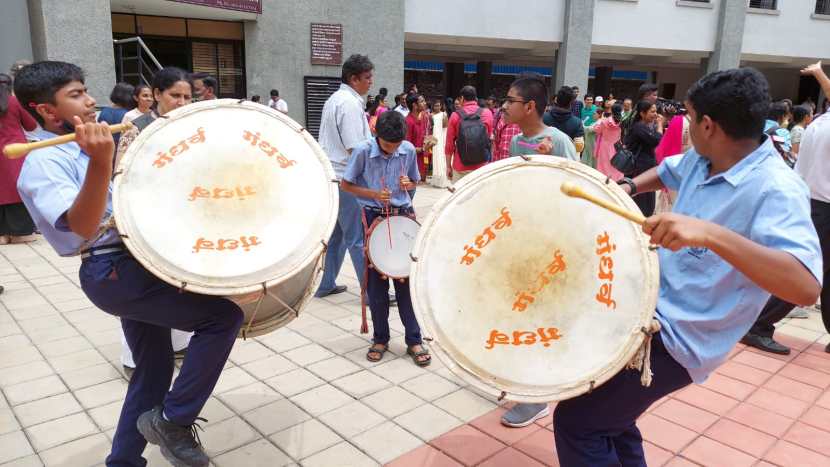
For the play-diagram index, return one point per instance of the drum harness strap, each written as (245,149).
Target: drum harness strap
(642,359)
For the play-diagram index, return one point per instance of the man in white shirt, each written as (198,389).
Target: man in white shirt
(813,166)
(343,126)
(277,103)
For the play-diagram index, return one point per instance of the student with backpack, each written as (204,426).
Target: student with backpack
(468,136)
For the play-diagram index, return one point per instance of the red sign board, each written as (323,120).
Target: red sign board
(250,6)
(326,44)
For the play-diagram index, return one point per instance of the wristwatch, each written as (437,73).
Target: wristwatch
(630,183)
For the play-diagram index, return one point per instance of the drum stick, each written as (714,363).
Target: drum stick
(388,212)
(576,192)
(18,150)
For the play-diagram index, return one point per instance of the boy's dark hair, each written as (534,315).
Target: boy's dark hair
(391,127)
(275,93)
(531,87)
(208,80)
(355,66)
(565,96)
(411,100)
(122,95)
(588,95)
(165,78)
(777,111)
(468,93)
(645,88)
(800,112)
(736,99)
(39,82)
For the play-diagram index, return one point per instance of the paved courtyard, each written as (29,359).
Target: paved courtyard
(306,395)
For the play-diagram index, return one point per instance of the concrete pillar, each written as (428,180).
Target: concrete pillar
(78,32)
(14,34)
(278,46)
(453,79)
(574,55)
(484,75)
(729,36)
(602,80)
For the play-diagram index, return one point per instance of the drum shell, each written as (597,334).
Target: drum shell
(271,314)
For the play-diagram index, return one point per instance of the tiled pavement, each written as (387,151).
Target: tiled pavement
(305,394)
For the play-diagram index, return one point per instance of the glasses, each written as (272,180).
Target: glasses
(513,100)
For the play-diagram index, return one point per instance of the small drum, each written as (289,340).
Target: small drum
(229,198)
(389,243)
(527,293)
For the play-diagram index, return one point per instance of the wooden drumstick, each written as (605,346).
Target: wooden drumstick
(576,192)
(18,150)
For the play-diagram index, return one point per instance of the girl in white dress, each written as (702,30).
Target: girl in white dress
(439,132)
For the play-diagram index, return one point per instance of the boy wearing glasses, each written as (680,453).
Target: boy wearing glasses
(525,106)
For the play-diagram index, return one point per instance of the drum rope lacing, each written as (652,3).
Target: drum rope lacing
(642,359)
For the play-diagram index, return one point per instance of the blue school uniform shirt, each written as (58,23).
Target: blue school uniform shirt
(370,168)
(49,182)
(706,305)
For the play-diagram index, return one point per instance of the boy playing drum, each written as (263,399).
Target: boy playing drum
(381,173)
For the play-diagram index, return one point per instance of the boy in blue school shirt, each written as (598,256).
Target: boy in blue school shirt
(67,190)
(740,230)
(382,172)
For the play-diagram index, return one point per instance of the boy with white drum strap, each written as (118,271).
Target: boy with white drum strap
(740,230)
(525,106)
(67,190)
(381,173)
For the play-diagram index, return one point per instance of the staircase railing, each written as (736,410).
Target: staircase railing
(134,62)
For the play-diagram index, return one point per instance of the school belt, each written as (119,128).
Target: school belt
(103,250)
(392,211)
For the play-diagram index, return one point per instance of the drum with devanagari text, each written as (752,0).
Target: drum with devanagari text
(529,294)
(230,198)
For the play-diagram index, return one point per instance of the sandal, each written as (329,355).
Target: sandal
(379,351)
(416,356)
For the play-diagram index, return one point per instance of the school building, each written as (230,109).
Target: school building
(297,46)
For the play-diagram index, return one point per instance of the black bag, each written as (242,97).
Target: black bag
(624,160)
(473,141)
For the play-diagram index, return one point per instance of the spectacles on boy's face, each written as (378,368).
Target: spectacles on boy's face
(513,100)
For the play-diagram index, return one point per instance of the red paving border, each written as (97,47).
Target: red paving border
(757,409)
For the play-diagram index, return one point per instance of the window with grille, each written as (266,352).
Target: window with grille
(317,91)
(823,7)
(223,60)
(764,4)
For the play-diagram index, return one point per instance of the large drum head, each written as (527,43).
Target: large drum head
(223,197)
(390,242)
(527,293)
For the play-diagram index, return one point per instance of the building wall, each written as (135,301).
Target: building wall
(538,20)
(278,45)
(796,34)
(80,32)
(14,34)
(655,24)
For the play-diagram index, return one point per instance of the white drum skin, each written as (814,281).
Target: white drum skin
(391,260)
(529,294)
(228,198)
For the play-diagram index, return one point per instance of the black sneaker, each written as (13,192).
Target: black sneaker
(180,445)
(767,344)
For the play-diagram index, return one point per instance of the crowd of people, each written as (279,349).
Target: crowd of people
(737,227)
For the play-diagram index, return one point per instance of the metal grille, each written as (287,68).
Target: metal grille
(823,7)
(224,60)
(764,4)
(317,91)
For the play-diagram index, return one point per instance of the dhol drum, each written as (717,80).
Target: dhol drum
(389,243)
(229,198)
(529,294)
